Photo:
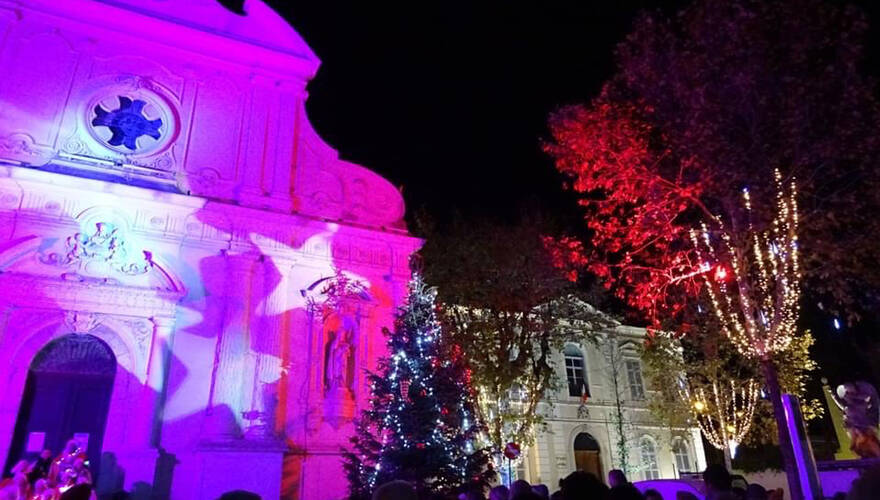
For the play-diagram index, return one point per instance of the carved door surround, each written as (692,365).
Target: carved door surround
(339,312)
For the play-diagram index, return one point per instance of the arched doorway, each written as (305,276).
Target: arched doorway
(586,454)
(66,395)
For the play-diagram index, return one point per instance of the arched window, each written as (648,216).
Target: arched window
(682,456)
(648,458)
(575,371)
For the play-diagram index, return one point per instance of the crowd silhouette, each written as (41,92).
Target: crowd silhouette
(64,477)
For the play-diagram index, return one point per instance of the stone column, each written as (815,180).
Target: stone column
(139,457)
(158,369)
(265,350)
(225,405)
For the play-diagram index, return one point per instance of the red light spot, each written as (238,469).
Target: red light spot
(720,273)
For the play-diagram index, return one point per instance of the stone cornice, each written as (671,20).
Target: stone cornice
(224,49)
(83,296)
(50,198)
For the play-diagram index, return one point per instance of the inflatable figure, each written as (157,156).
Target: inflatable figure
(859,402)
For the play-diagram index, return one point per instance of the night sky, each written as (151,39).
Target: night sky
(450,101)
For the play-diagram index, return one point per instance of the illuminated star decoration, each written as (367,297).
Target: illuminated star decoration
(127,123)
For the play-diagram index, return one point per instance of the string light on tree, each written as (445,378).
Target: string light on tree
(723,413)
(755,288)
(421,423)
(757,302)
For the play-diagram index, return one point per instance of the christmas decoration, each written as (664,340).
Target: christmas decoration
(758,308)
(511,451)
(724,413)
(421,425)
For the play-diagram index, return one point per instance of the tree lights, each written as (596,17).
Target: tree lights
(724,412)
(757,307)
(421,425)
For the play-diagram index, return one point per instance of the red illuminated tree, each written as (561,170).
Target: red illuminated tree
(704,106)
(712,101)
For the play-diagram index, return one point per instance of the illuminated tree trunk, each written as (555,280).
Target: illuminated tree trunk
(785,446)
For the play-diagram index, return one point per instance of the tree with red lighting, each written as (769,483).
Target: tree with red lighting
(675,163)
(710,102)
(421,425)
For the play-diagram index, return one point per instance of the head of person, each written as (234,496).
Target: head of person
(40,486)
(396,490)
(652,494)
(72,447)
(717,478)
(625,491)
(580,484)
(19,468)
(46,454)
(616,477)
(685,495)
(866,486)
(67,476)
(541,490)
(499,492)
(471,495)
(519,488)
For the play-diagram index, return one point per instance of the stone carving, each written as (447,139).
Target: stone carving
(859,402)
(142,331)
(22,147)
(105,244)
(81,322)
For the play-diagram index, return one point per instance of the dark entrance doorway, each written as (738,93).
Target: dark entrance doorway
(66,395)
(586,454)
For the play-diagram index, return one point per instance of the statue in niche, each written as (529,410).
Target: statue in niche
(338,355)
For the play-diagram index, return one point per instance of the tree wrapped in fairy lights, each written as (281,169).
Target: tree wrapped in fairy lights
(724,412)
(421,425)
(752,279)
(753,282)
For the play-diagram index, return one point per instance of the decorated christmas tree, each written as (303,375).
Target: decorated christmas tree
(421,425)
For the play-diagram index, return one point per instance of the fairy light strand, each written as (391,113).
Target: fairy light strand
(724,414)
(758,309)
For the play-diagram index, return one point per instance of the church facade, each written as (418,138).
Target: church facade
(192,282)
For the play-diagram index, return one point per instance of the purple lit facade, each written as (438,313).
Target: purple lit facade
(166,205)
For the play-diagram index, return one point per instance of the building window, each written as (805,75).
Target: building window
(648,455)
(682,457)
(575,372)
(636,384)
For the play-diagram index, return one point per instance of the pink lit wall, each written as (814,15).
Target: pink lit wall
(200,256)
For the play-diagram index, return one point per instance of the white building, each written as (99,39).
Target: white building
(580,432)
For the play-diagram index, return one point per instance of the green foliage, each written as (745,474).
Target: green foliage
(511,311)
(705,357)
